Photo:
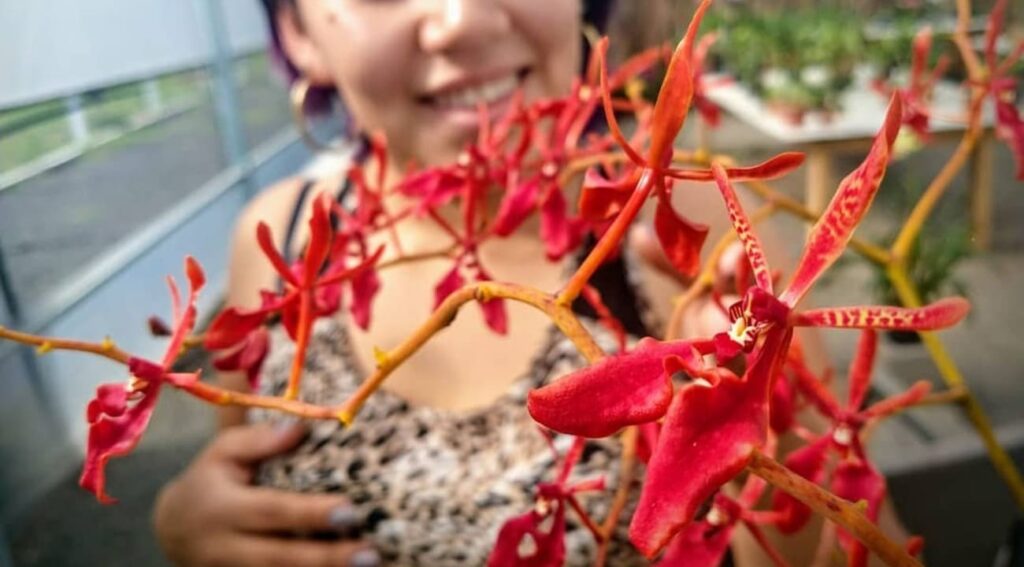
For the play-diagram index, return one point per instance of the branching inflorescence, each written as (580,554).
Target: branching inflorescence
(678,404)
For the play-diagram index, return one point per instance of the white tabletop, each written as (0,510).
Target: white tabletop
(863,110)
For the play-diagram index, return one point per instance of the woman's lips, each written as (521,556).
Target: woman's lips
(463,104)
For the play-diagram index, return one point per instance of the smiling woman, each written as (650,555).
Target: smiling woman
(433,482)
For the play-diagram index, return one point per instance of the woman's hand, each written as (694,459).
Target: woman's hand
(211,515)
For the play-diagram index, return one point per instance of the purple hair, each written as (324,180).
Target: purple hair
(319,99)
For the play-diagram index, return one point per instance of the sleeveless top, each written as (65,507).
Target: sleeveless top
(434,485)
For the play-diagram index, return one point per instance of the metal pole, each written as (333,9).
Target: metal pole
(77,123)
(225,91)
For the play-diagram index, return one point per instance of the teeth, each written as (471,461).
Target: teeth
(485,93)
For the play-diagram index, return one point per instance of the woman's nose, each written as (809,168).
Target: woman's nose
(453,25)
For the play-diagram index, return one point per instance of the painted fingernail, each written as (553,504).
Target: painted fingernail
(344,518)
(364,558)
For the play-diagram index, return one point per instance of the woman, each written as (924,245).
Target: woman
(446,453)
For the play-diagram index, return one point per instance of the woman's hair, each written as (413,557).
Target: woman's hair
(596,13)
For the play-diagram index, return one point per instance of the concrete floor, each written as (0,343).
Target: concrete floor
(940,480)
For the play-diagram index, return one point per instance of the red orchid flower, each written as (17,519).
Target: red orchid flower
(855,478)
(307,285)
(119,414)
(719,419)
(916,95)
(552,500)
(704,543)
(1009,124)
(681,238)
(248,357)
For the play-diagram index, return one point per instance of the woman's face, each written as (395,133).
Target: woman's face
(417,70)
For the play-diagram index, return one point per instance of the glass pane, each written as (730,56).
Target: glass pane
(142,147)
(262,96)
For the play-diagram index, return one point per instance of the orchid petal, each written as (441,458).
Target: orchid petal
(448,285)
(829,236)
(745,232)
(860,369)
(515,206)
(619,390)
(1010,129)
(266,243)
(898,402)
(559,233)
(680,238)
(675,95)
(113,434)
(775,167)
(365,285)
(939,315)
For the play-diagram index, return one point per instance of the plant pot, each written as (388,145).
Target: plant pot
(904,358)
(790,114)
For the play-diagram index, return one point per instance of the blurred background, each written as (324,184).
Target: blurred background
(133,132)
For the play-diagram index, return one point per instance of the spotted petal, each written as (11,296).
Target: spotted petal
(829,236)
(741,224)
(775,167)
(939,315)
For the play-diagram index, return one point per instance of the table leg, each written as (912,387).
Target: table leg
(819,179)
(981,192)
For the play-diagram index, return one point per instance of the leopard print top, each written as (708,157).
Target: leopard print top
(435,486)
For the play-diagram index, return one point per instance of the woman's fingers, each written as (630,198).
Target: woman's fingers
(273,510)
(249,444)
(256,551)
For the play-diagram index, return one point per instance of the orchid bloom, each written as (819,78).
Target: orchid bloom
(916,95)
(119,414)
(312,289)
(680,238)
(1009,123)
(855,478)
(551,502)
(719,419)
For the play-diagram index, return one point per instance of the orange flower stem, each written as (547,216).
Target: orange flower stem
(443,316)
(305,328)
(611,239)
(225,397)
(106,349)
(627,473)
(931,196)
(581,164)
(411,258)
(840,511)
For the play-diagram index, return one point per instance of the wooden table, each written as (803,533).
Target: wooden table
(852,131)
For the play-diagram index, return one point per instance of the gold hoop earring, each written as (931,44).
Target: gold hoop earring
(297,94)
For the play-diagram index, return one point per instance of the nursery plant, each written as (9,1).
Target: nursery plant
(697,412)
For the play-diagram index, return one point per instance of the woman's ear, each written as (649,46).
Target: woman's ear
(300,48)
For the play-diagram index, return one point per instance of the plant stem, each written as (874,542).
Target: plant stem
(107,349)
(627,472)
(443,316)
(611,239)
(832,507)
(305,327)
